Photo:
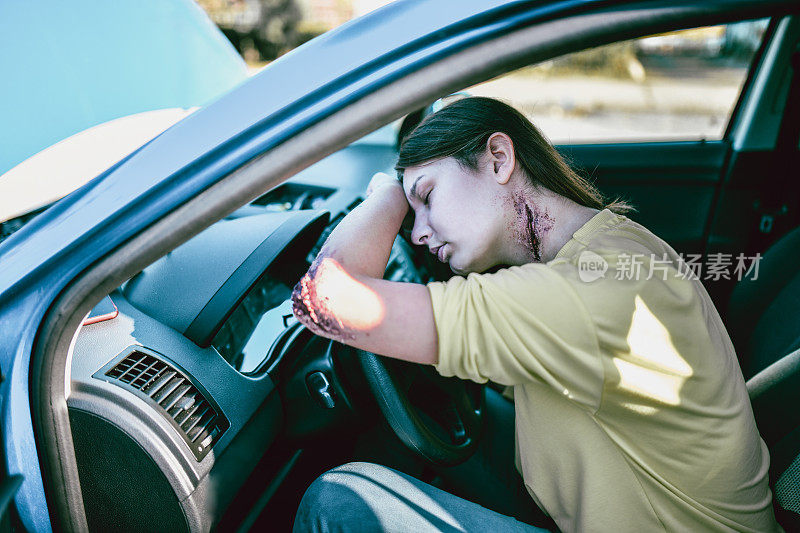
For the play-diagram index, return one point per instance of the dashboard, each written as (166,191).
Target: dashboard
(176,394)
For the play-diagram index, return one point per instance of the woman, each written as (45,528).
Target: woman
(631,411)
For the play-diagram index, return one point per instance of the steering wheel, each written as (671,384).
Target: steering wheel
(438,418)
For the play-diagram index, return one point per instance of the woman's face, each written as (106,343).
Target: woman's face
(458,214)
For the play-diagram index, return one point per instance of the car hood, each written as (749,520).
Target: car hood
(97,71)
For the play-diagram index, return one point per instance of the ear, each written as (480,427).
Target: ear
(500,151)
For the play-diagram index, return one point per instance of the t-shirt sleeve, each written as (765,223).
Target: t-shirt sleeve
(515,326)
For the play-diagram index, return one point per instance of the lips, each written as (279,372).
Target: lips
(438,251)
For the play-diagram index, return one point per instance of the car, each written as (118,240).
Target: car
(153,374)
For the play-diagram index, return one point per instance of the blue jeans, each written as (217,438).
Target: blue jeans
(369,497)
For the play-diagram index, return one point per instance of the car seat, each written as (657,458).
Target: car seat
(764,324)
(762,317)
(775,394)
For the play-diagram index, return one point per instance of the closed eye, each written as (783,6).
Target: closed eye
(427,196)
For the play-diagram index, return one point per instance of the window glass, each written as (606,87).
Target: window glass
(680,85)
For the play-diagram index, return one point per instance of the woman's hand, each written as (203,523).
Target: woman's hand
(384,182)
(381,179)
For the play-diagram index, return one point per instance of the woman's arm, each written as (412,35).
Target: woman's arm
(343,295)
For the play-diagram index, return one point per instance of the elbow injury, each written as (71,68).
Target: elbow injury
(332,303)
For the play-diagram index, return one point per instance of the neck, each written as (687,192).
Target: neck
(543,223)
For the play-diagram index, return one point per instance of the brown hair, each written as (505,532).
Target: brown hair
(462,129)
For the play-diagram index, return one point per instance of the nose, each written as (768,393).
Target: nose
(420,232)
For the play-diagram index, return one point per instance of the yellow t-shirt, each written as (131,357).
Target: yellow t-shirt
(631,410)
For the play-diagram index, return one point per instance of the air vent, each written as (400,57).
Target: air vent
(200,423)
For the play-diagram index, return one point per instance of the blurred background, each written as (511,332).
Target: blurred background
(262,30)
(676,86)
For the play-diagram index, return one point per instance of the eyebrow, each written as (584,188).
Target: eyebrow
(414,187)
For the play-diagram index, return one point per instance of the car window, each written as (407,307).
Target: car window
(676,86)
